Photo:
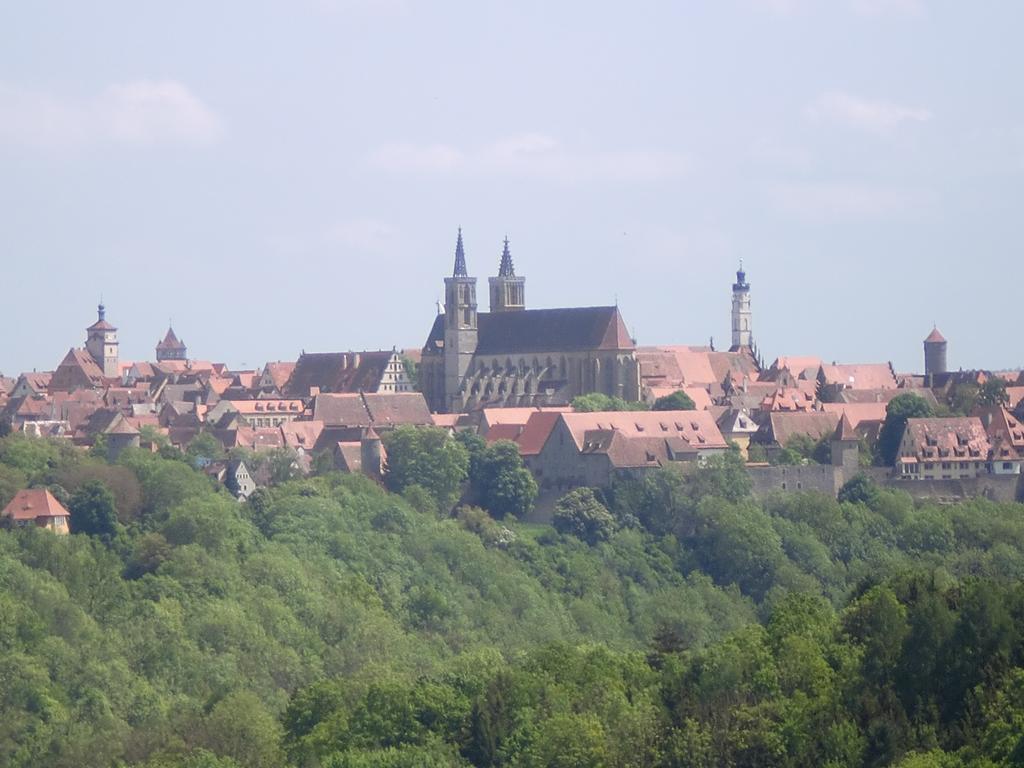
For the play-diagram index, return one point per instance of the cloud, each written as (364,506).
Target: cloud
(877,117)
(845,200)
(532,155)
(139,112)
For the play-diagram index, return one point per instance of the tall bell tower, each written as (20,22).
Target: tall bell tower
(460,326)
(508,290)
(101,344)
(742,332)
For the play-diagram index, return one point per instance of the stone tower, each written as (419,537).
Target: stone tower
(934,353)
(101,344)
(171,348)
(508,292)
(460,327)
(845,446)
(742,335)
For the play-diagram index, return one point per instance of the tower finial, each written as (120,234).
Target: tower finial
(101,311)
(506,269)
(460,258)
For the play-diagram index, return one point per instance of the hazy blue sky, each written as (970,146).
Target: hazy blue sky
(288,176)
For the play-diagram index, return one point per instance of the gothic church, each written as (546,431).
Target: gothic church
(514,356)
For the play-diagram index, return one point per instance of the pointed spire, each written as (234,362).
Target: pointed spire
(460,258)
(506,269)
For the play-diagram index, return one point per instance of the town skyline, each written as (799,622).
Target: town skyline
(721,341)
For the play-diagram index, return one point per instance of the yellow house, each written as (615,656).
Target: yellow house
(39,507)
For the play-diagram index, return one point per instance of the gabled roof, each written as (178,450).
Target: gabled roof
(858,413)
(860,375)
(784,425)
(397,408)
(697,428)
(536,432)
(337,372)
(33,503)
(279,372)
(937,439)
(120,426)
(76,371)
(534,331)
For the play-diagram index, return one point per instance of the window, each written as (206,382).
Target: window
(1007,465)
(946,465)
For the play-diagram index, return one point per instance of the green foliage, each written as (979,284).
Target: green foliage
(93,512)
(677,401)
(859,489)
(325,622)
(899,409)
(500,481)
(427,457)
(993,392)
(597,401)
(578,513)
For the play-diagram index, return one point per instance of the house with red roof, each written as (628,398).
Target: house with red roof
(38,507)
(954,448)
(569,450)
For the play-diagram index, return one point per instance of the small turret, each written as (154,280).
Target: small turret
(934,353)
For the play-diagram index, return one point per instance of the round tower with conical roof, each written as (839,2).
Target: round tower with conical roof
(934,353)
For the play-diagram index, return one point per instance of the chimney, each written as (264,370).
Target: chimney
(314,391)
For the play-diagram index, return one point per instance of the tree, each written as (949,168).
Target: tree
(597,401)
(429,457)
(900,408)
(203,449)
(677,401)
(859,489)
(93,512)
(501,482)
(579,513)
(993,392)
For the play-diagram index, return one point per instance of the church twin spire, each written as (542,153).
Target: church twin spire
(460,258)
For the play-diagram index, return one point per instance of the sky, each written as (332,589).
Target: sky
(274,177)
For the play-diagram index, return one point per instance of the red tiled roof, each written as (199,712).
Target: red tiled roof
(33,503)
(504,432)
(395,408)
(950,439)
(816,424)
(301,434)
(536,432)
(934,336)
(860,376)
(698,428)
(857,413)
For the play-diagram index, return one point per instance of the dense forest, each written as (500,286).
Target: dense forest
(329,622)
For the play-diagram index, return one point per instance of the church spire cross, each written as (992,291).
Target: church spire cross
(506,269)
(460,258)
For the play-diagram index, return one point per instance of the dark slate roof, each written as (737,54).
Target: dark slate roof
(337,372)
(170,341)
(573,329)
